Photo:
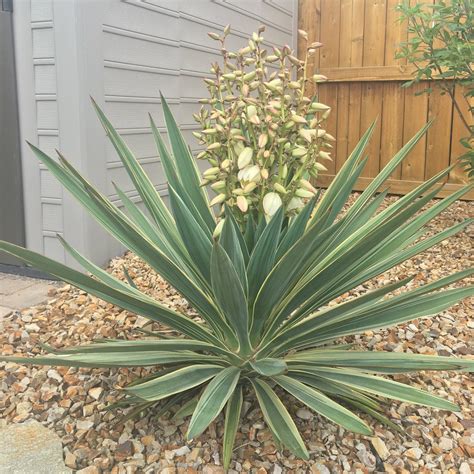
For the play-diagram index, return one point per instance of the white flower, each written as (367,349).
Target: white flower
(249,173)
(271,203)
(245,157)
(294,203)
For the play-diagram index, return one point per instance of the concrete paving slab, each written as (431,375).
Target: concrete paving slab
(28,448)
(4,311)
(29,296)
(13,283)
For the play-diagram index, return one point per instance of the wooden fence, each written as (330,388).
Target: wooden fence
(360,39)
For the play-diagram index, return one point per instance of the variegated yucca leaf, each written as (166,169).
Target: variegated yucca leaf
(262,293)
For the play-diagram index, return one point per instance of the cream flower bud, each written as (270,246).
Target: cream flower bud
(238,148)
(320,167)
(319,78)
(329,137)
(251,111)
(245,157)
(218,186)
(279,188)
(242,203)
(294,85)
(225,165)
(213,146)
(271,203)
(307,134)
(211,171)
(262,140)
(249,76)
(298,119)
(325,155)
(248,188)
(319,107)
(303,34)
(218,199)
(218,228)
(255,120)
(304,193)
(299,152)
(307,185)
(271,59)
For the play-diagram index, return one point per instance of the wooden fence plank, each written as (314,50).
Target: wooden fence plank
(343,90)
(329,57)
(415,117)
(355,89)
(330,25)
(311,23)
(438,145)
(328,96)
(393,96)
(374,53)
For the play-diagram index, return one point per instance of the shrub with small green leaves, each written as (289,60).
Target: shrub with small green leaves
(264,137)
(441,47)
(268,296)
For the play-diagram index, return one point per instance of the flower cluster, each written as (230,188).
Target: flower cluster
(263,137)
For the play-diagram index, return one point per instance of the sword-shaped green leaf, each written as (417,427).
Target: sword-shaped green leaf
(278,418)
(212,400)
(174,382)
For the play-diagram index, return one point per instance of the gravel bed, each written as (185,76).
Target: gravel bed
(71,401)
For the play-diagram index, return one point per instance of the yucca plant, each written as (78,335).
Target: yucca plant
(266,323)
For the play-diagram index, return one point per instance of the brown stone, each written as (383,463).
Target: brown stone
(124,451)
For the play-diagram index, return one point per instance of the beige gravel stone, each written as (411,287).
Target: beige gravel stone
(380,447)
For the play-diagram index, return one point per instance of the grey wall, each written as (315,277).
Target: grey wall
(11,194)
(122,53)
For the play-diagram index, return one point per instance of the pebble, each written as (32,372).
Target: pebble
(464,468)
(96,392)
(413,453)
(381,448)
(84,424)
(304,414)
(124,451)
(89,470)
(446,444)
(319,468)
(181,451)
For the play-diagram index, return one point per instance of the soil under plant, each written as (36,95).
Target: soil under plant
(72,401)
